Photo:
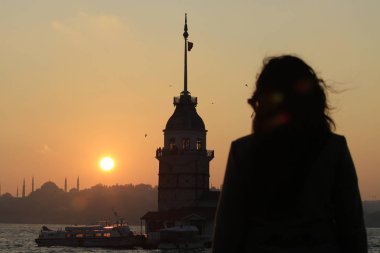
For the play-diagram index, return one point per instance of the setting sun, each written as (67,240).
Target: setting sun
(107,163)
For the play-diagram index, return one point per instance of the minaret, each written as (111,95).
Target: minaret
(184,161)
(78,184)
(32,183)
(17,192)
(23,188)
(65,184)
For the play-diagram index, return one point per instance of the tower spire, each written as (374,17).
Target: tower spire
(185,36)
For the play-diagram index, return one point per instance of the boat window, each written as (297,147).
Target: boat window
(98,235)
(107,234)
(79,235)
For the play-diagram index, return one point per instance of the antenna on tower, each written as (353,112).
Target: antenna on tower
(185,36)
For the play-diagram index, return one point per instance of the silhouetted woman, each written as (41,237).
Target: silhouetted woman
(291,186)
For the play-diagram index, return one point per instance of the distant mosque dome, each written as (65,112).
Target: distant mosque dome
(185,116)
(7,195)
(49,186)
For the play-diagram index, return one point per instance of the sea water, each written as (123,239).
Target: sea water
(19,238)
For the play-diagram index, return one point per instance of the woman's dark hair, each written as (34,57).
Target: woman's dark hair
(289,95)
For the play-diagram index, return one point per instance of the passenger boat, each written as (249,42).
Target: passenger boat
(117,235)
(180,237)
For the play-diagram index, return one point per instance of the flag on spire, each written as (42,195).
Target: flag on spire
(189,45)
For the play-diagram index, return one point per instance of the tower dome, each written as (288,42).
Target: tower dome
(185,116)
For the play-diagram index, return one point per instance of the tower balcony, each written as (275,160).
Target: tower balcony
(161,152)
(185,99)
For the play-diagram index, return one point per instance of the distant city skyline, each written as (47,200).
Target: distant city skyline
(29,188)
(83,80)
(75,206)
(66,187)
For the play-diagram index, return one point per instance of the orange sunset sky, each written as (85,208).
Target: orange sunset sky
(83,79)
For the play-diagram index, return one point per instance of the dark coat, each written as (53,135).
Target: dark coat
(290,194)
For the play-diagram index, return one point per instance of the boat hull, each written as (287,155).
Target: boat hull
(117,242)
(183,245)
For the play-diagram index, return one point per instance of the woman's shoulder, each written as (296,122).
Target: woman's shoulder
(338,139)
(252,139)
(242,145)
(245,145)
(245,141)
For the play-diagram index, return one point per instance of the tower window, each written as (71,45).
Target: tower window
(199,144)
(171,143)
(186,143)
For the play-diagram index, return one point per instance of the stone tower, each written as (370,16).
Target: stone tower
(184,168)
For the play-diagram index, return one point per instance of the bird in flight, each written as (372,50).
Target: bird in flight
(146,135)
(246,85)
